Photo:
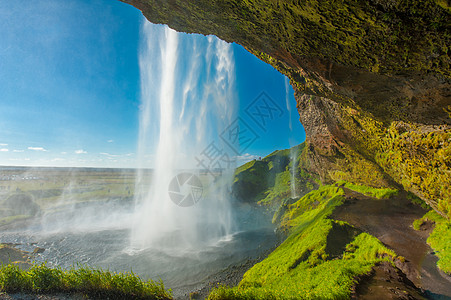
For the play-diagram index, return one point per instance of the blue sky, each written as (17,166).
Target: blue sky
(70,86)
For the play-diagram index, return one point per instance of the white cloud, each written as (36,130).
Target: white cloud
(37,149)
(3,145)
(108,154)
(81,151)
(110,141)
(247,157)
(4,150)
(63,152)
(18,151)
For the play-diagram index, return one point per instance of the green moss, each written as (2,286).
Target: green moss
(417,157)
(417,200)
(379,193)
(421,161)
(85,280)
(439,239)
(444,4)
(353,167)
(321,201)
(320,259)
(358,34)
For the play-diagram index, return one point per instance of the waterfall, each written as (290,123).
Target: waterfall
(293,158)
(293,150)
(187,99)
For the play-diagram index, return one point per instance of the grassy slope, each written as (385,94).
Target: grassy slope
(379,193)
(309,264)
(268,181)
(321,258)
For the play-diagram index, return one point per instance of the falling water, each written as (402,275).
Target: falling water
(293,150)
(187,100)
(293,158)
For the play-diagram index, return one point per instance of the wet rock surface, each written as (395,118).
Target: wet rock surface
(387,282)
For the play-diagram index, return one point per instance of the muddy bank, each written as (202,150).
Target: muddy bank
(390,220)
(386,282)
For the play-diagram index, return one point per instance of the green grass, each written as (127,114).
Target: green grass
(245,167)
(320,259)
(439,239)
(379,193)
(319,202)
(279,191)
(268,181)
(91,282)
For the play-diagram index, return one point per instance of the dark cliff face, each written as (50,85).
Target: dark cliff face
(371,79)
